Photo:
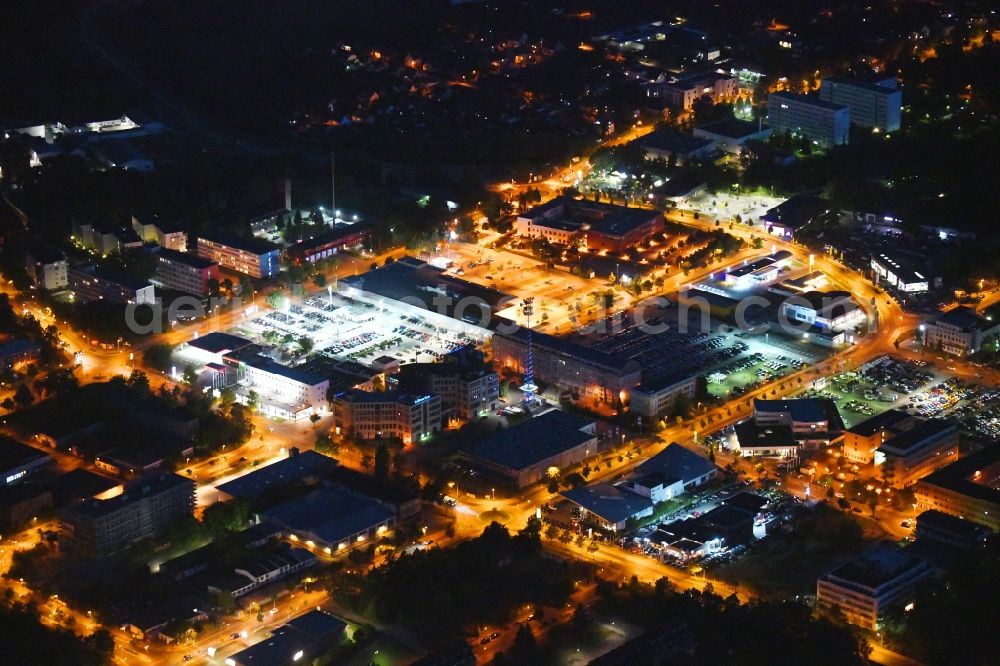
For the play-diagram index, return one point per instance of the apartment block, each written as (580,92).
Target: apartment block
(182,271)
(99,528)
(876,103)
(824,123)
(250,256)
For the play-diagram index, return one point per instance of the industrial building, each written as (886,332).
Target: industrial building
(530,451)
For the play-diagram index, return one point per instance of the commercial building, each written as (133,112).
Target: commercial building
(17,352)
(768,441)
(758,272)
(874,103)
(827,310)
(959,331)
(302,468)
(284,391)
(343,374)
(182,271)
(678,470)
(257,568)
(299,641)
(99,528)
(530,451)
(165,233)
(862,440)
(687,539)
(812,421)
(824,123)
(48,269)
(609,506)
(789,217)
(672,146)
(657,397)
(332,519)
(465,392)
(905,271)
(19,461)
(968,488)
(683,92)
(252,256)
(214,347)
(943,528)
(389,414)
(568,365)
(866,589)
(433,294)
(731,135)
(667,475)
(913,453)
(597,226)
(91,283)
(325,245)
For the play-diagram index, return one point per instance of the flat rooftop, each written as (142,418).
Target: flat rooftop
(152,484)
(417,282)
(532,441)
(219,343)
(885,421)
(876,567)
(14,454)
(923,433)
(674,142)
(796,212)
(253,244)
(186,258)
(750,435)
(333,514)
(295,467)
(976,476)
(811,100)
(732,128)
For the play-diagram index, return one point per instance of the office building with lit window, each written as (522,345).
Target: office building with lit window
(968,488)
(865,589)
(378,414)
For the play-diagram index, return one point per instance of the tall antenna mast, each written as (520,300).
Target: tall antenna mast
(529,388)
(333,186)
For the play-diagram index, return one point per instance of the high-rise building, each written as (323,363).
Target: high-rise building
(99,528)
(824,123)
(876,103)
